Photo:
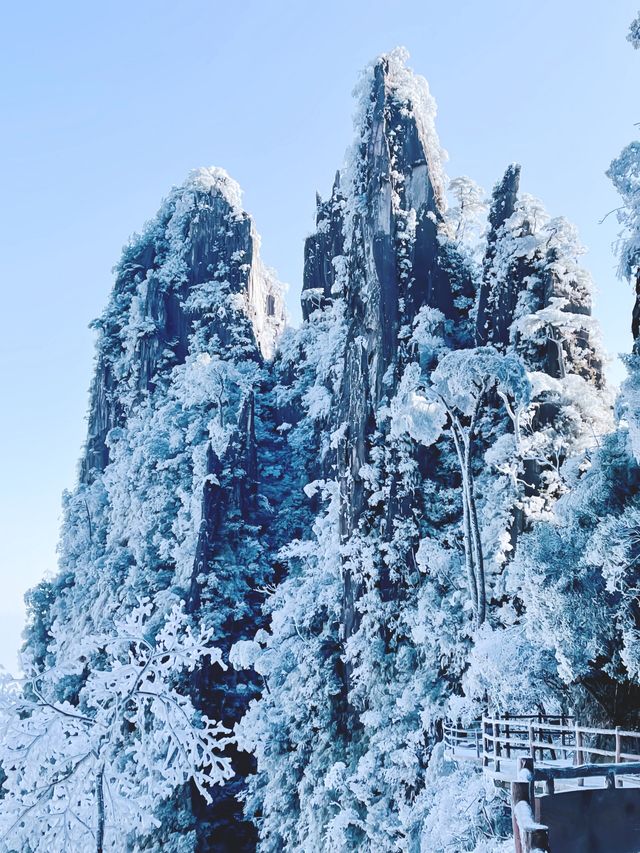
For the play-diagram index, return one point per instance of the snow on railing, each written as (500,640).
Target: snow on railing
(529,835)
(553,740)
(534,750)
(557,740)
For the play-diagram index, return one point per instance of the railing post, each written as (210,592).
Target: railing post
(579,755)
(520,792)
(539,839)
(563,739)
(540,738)
(477,744)
(532,749)
(528,764)
(619,779)
(507,734)
(485,750)
(497,749)
(610,780)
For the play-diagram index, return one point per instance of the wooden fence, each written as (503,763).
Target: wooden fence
(535,749)
(553,739)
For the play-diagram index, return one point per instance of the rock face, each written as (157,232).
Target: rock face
(525,274)
(497,308)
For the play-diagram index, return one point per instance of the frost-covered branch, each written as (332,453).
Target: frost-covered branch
(59,757)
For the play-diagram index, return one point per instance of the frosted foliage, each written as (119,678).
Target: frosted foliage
(457,387)
(433,558)
(215,180)
(423,418)
(292,659)
(624,172)
(101,765)
(159,461)
(462,377)
(634,33)
(539,257)
(428,334)
(629,403)
(463,813)
(466,215)
(506,670)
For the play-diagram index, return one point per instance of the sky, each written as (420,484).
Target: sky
(105,106)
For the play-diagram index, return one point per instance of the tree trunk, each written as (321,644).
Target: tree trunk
(100,805)
(477,547)
(466,520)
(481,610)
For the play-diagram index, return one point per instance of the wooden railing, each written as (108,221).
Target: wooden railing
(553,739)
(529,835)
(463,741)
(534,749)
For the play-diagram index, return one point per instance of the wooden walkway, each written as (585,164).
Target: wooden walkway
(539,756)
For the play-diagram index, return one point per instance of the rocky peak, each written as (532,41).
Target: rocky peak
(192,279)
(393,265)
(321,251)
(496,310)
(395,188)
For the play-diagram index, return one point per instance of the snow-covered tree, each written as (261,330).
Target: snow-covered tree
(633,35)
(466,214)
(84,774)
(453,400)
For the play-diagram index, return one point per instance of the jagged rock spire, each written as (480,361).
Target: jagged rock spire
(496,310)
(201,248)
(395,263)
(320,250)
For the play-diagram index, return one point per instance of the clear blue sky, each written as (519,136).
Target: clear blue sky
(106,105)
